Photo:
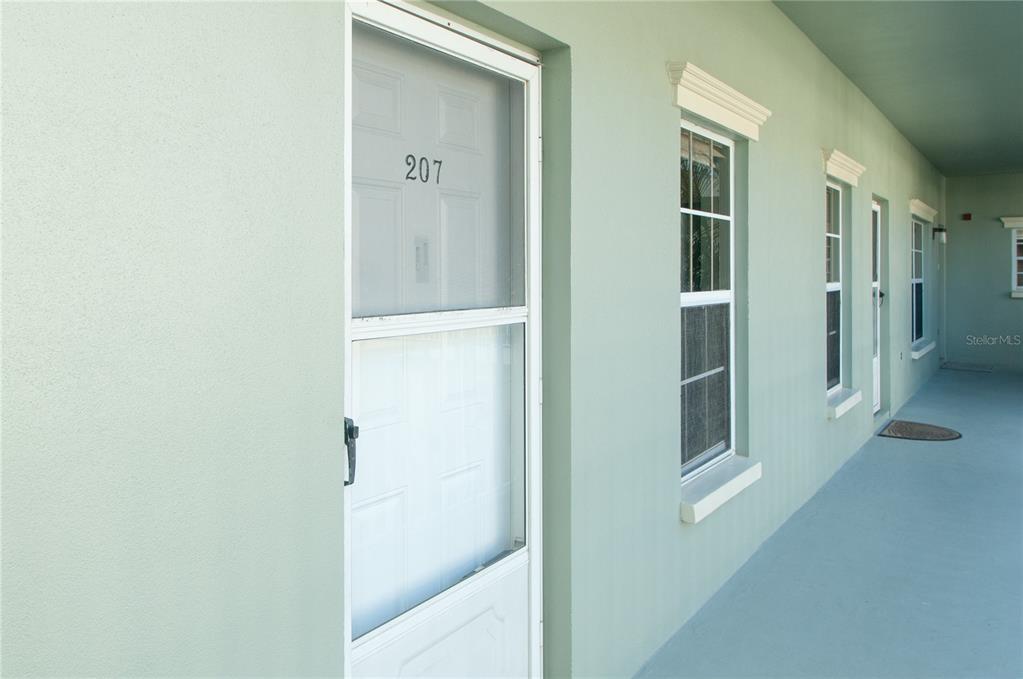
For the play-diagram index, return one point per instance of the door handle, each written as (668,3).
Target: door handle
(880,298)
(351,435)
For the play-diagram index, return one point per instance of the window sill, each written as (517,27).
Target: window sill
(708,490)
(1016,294)
(921,349)
(842,401)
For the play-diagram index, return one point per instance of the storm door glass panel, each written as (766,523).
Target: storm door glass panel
(706,379)
(437,187)
(439,492)
(833,319)
(875,238)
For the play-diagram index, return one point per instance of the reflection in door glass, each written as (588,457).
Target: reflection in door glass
(438,185)
(440,492)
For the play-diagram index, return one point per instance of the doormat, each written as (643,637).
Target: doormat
(918,431)
(967,367)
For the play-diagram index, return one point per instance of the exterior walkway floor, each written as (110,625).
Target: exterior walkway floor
(908,563)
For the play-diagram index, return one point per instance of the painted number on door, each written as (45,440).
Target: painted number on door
(419,169)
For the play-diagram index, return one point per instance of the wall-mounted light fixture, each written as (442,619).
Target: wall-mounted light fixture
(940,234)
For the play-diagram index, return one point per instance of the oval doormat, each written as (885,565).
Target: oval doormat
(918,431)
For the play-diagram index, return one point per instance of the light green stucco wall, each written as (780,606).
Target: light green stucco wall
(985,325)
(171,318)
(172,322)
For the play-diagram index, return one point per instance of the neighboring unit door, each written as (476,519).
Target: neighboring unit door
(877,298)
(443,512)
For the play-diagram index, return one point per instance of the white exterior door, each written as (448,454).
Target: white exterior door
(442,525)
(877,298)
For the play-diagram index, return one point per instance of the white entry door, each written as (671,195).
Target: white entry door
(877,297)
(443,548)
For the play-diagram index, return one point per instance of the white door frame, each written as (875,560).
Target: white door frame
(875,285)
(442,34)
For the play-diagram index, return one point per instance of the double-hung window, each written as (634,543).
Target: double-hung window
(833,285)
(707,298)
(1017,261)
(917,282)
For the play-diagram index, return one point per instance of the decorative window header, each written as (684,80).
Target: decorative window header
(706,96)
(842,167)
(922,209)
(1012,222)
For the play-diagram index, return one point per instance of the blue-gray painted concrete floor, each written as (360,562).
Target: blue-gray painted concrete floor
(907,563)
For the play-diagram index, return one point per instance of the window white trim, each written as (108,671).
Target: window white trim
(688,299)
(1016,288)
(917,280)
(841,400)
(842,167)
(921,209)
(921,348)
(835,286)
(706,96)
(716,484)
(1012,222)
(706,298)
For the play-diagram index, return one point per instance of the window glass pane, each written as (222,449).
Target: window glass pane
(687,254)
(703,181)
(918,236)
(438,193)
(1019,276)
(711,253)
(720,258)
(722,179)
(706,402)
(441,464)
(685,184)
(918,265)
(833,204)
(834,336)
(875,235)
(1019,249)
(918,311)
(832,250)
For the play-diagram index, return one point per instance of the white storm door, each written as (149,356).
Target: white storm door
(877,298)
(442,535)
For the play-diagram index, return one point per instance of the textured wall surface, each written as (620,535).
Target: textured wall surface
(981,314)
(172,311)
(172,294)
(637,573)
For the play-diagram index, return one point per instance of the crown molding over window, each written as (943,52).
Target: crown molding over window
(842,167)
(922,209)
(1012,222)
(706,96)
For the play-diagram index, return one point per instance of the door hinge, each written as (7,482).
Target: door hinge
(351,434)
(540,142)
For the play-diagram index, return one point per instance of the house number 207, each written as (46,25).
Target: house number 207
(419,169)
